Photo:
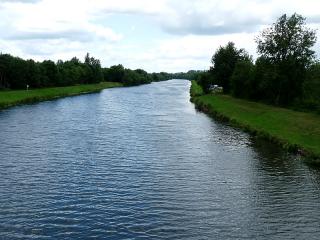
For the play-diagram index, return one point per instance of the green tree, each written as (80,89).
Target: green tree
(242,79)
(265,81)
(205,80)
(114,73)
(93,69)
(4,67)
(33,74)
(50,74)
(286,45)
(224,61)
(311,88)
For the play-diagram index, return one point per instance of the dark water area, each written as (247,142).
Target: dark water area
(142,163)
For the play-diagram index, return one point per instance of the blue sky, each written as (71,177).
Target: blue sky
(156,35)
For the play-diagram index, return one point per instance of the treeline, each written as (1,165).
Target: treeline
(286,72)
(17,73)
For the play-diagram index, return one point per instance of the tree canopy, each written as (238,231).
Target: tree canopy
(17,73)
(224,61)
(285,72)
(287,45)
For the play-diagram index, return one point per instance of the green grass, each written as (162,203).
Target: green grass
(292,129)
(195,89)
(12,98)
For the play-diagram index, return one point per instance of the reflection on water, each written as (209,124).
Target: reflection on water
(142,163)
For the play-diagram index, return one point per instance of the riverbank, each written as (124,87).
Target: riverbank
(295,131)
(13,98)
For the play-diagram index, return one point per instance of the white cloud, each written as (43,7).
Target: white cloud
(129,7)
(208,17)
(187,52)
(51,20)
(188,31)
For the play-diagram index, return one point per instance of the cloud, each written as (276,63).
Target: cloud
(89,33)
(178,53)
(46,20)
(209,17)
(159,35)
(19,1)
(129,7)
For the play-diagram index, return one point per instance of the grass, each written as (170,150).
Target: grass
(293,130)
(12,98)
(195,89)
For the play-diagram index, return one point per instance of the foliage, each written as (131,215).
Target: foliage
(242,79)
(93,72)
(311,89)
(224,61)
(205,80)
(284,74)
(16,73)
(195,89)
(114,73)
(286,45)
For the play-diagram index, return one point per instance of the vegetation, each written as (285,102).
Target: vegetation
(46,80)
(293,130)
(225,60)
(285,73)
(11,98)
(195,90)
(17,73)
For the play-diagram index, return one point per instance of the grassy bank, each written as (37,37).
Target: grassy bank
(195,90)
(12,98)
(295,131)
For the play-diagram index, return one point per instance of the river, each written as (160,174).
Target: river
(142,163)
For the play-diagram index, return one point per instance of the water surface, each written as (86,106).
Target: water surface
(142,163)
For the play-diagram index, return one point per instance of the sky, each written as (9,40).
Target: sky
(155,35)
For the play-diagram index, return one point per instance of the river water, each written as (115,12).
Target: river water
(142,163)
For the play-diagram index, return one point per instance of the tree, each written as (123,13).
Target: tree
(50,72)
(4,66)
(311,88)
(242,79)
(286,45)
(33,74)
(265,81)
(93,70)
(205,80)
(114,73)
(16,73)
(224,61)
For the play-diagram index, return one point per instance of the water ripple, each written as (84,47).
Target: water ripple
(142,163)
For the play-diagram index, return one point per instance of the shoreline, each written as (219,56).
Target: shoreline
(13,98)
(265,122)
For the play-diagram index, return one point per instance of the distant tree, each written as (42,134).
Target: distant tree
(16,73)
(265,81)
(311,88)
(114,73)
(93,70)
(72,72)
(4,66)
(50,76)
(286,45)
(205,80)
(224,61)
(76,60)
(143,76)
(242,79)
(33,74)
